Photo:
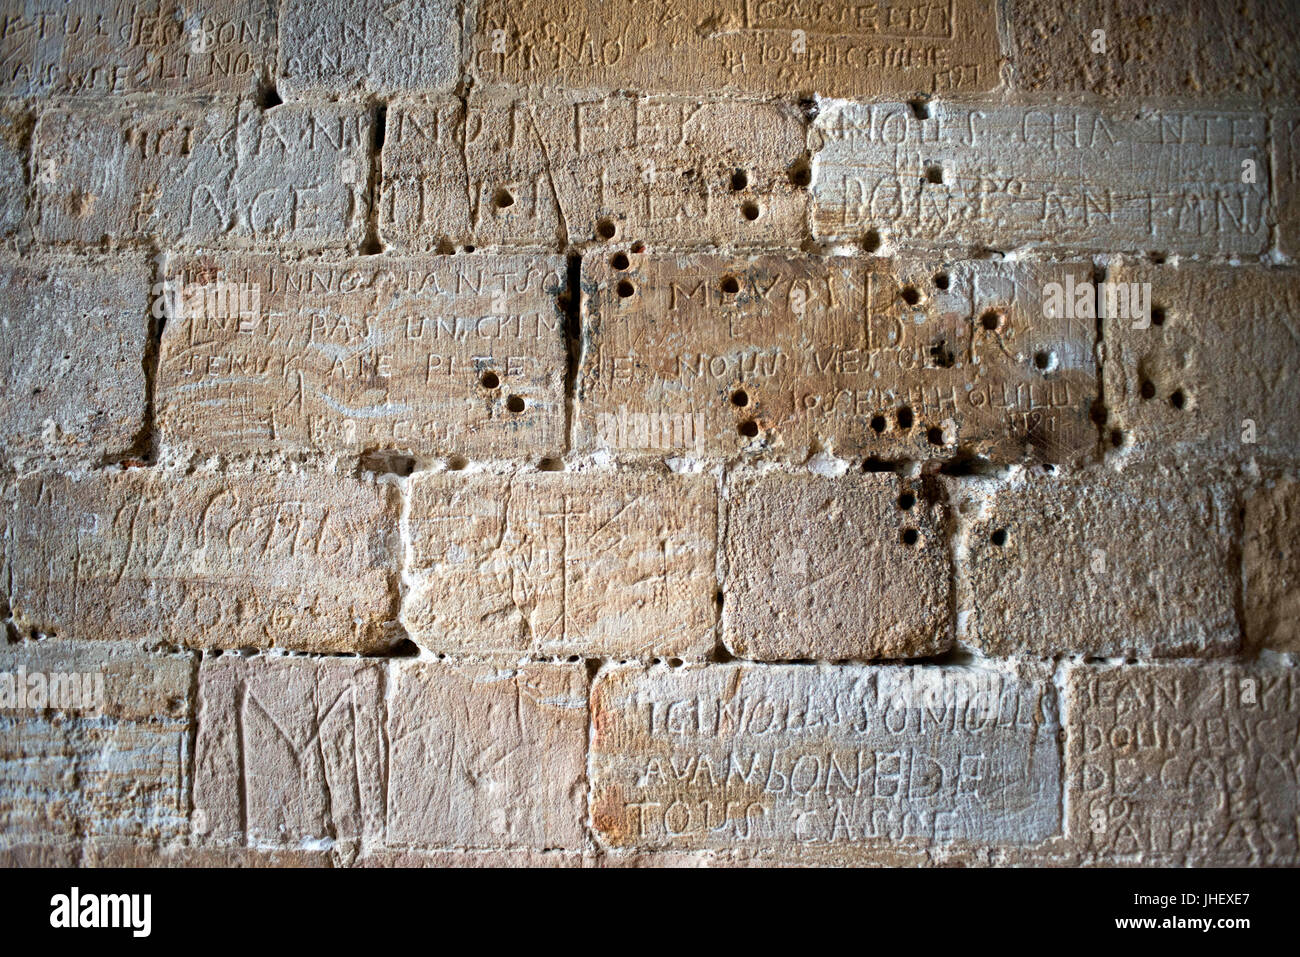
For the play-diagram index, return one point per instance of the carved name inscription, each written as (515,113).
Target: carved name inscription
(487,757)
(831,568)
(227,173)
(1051,176)
(1215,368)
(1185,764)
(293,561)
(558,563)
(72,335)
(290,750)
(710,355)
(448,354)
(752,46)
(97,48)
(564,168)
(735,755)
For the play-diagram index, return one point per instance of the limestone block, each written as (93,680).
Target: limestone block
(1271,556)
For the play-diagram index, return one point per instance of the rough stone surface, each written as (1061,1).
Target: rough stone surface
(562,169)
(831,568)
(1271,560)
(1136,563)
(72,345)
(1048,176)
(711,355)
(230,173)
(1212,372)
(742,755)
(306,562)
(441,355)
(15,134)
(1183,764)
(335,48)
(830,49)
(89,48)
(555,563)
(1286,162)
(488,757)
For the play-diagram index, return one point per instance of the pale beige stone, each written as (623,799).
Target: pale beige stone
(72,346)
(118,854)
(713,355)
(290,751)
(830,568)
(558,563)
(295,561)
(487,757)
(1286,164)
(224,173)
(474,858)
(1220,49)
(355,48)
(1183,764)
(757,48)
(1213,371)
(144,46)
(114,679)
(1098,563)
(569,169)
(440,355)
(781,755)
(1049,176)
(1271,560)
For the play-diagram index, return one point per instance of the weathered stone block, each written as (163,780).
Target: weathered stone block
(1183,764)
(1135,563)
(1286,191)
(1271,560)
(439,355)
(72,347)
(830,568)
(15,135)
(558,563)
(1051,177)
(1211,371)
(290,751)
(563,168)
(831,49)
(366,47)
(306,562)
(779,755)
(135,46)
(487,757)
(223,173)
(709,355)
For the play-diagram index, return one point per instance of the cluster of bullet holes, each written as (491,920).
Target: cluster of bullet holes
(491,382)
(739,183)
(906,419)
(1177,398)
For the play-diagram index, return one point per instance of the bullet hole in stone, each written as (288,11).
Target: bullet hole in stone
(749,429)
(515,403)
(941,280)
(911,295)
(910,536)
(739,180)
(457,463)
(1148,389)
(935,435)
(268,98)
(469,248)
(999,537)
(878,423)
(606,229)
(387,462)
(749,210)
(943,356)
(1098,413)
(800,173)
(871,241)
(730,285)
(1178,399)
(624,289)
(920,109)
(502,198)
(1117,438)
(490,380)
(1044,360)
(991,320)
(740,398)
(619,261)
(1158,315)
(674,662)
(875,464)
(934,174)
(550,465)
(906,501)
(905,417)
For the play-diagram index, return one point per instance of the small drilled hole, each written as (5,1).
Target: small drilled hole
(515,403)
(749,211)
(878,423)
(502,199)
(910,536)
(469,249)
(871,241)
(624,289)
(457,463)
(906,501)
(941,280)
(490,380)
(550,465)
(999,537)
(730,285)
(1042,360)
(1148,389)
(1158,315)
(740,398)
(739,180)
(905,417)
(1117,438)
(619,261)
(991,320)
(935,435)
(911,295)
(801,174)
(749,429)
(1177,399)
(606,229)
(934,174)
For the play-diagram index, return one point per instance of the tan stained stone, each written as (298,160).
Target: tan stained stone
(353,48)
(1210,48)
(734,45)
(118,854)
(1286,190)
(831,568)
(72,347)
(135,46)
(1271,561)
(1183,764)
(1049,176)
(290,751)
(305,562)
(611,170)
(708,355)
(490,757)
(1213,372)
(473,858)
(223,173)
(432,355)
(1099,563)
(781,755)
(559,563)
